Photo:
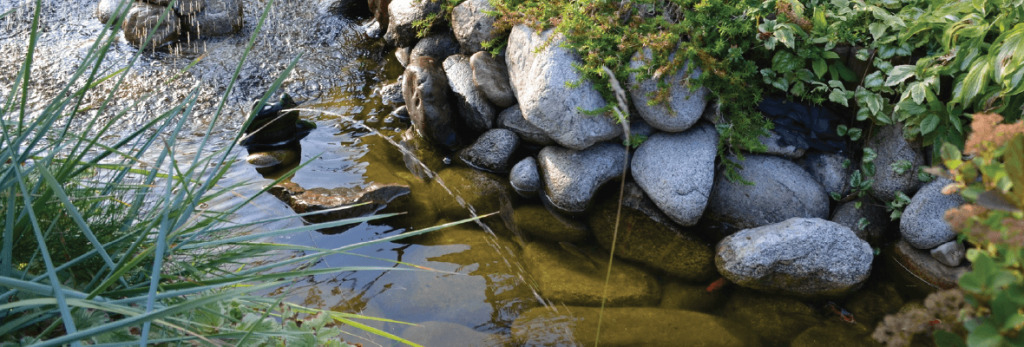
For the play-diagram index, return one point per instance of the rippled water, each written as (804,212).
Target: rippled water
(477,286)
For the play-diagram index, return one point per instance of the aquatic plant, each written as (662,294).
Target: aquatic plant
(111,239)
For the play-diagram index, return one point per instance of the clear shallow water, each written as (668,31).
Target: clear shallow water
(476,285)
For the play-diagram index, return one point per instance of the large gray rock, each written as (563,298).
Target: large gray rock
(627,326)
(541,81)
(807,257)
(922,223)
(893,148)
(425,90)
(490,76)
(106,8)
(572,177)
(512,119)
(401,16)
(576,276)
(781,190)
(871,211)
(218,18)
(525,177)
(143,19)
(492,151)
(683,107)
(475,110)
(677,171)
(472,25)
(437,45)
(828,169)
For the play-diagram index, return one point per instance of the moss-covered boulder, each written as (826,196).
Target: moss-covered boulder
(576,276)
(538,221)
(680,295)
(835,334)
(627,326)
(776,319)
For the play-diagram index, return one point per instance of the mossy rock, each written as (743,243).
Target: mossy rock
(680,295)
(776,319)
(576,276)
(658,245)
(538,221)
(871,304)
(627,326)
(835,334)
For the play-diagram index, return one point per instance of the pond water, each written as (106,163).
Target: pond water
(476,282)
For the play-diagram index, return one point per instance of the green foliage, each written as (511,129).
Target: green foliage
(435,20)
(992,181)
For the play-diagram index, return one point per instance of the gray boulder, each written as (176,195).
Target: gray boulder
(806,257)
(472,25)
(492,151)
(677,171)
(143,18)
(189,7)
(950,253)
(572,177)
(490,76)
(540,81)
(218,18)
(391,94)
(403,54)
(827,169)
(473,107)
(525,178)
(106,8)
(512,119)
(401,16)
(425,90)
(438,46)
(922,223)
(872,211)
(893,148)
(781,190)
(683,107)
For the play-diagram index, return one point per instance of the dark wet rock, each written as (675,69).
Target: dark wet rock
(391,94)
(402,113)
(143,18)
(776,145)
(677,171)
(803,126)
(373,30)
(473,25)
(872,211)
(271,127)
(218,18)
(352,9)
(950,253)
(419,152)
(401,16)
(922,223)
(373,198)
(572,177)
(156,2)
(271,158)
(436,333)
(893,148)
(540,82)
(777,320)
(525,177)
(106,8)
(473,107)
(437,45)
(922,266)
(835,333)
(627,326)
(379,10)
(481,190)
(492,151)
(683,107)
(189,7)
(403,55)
(635,198)
(490,77)
(576,276)
(538,221)
(681,295)
(828,169)
(781,190)
(806,257)
(871,304)
(657,245)
(425,90)
(511,118)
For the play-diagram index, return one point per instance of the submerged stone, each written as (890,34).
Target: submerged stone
(538,221)
(436,333)
(576,276)
(143,19)
(371,198)
(835,334)
(680,295)
(627,326)
(218,18)
(776,319)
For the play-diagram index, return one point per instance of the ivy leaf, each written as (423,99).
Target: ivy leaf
(874,80)
(975,82)
(898,74)
(855,134)
(877,30)
(784,34)
(837,96)
(820,67)
(929,124)
(918,91)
